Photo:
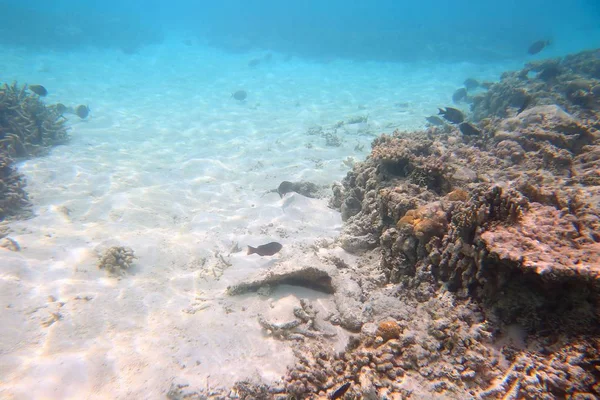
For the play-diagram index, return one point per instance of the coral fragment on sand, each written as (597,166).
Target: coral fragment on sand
(116,260)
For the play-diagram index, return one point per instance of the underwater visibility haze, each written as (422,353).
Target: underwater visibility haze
(310,200)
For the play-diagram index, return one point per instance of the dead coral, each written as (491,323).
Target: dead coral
(517,232)
(116,260)
(299,329)
(562,250)
(443,353)
(564,373)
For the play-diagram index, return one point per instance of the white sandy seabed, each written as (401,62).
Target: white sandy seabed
(173,167)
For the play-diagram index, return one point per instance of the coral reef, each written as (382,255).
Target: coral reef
(27,128)
(116,260)
(476,258)
(507,222)
(571,82)
(12,193)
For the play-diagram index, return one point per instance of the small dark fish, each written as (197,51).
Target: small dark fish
(471,83)
(340,391)
(469,129)
(526,103)
(304,188)
(61,108)
(452,114)
(240,95)
(254,62)
(459,95)
(265,249)
(286,187)
(38,89)
(538,46)
(82,111)
(435,120)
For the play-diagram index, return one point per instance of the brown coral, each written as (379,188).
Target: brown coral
(27,127)
(388,330)
(545,241)
(116,260)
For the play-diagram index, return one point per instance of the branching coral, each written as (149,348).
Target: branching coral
(116,260)
(12,194)
(27,126)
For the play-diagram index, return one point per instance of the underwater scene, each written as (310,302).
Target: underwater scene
(263,199)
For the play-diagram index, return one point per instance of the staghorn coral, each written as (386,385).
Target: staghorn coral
(27,126)
(12,193)
(116,260)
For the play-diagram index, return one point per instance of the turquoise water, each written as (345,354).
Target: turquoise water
(429,30)
(169,164)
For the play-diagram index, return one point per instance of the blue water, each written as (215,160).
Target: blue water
(169,164)
(430,30)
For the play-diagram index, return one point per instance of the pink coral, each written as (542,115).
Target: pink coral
(545,240)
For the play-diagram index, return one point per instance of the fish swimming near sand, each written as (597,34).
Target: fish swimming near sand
(452,114)
(469,129)
(265,249)
(82,111)
(306,189)
(39,90)
(459,95)
(240,95)
(538,46)
(435,120)
(286,187)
